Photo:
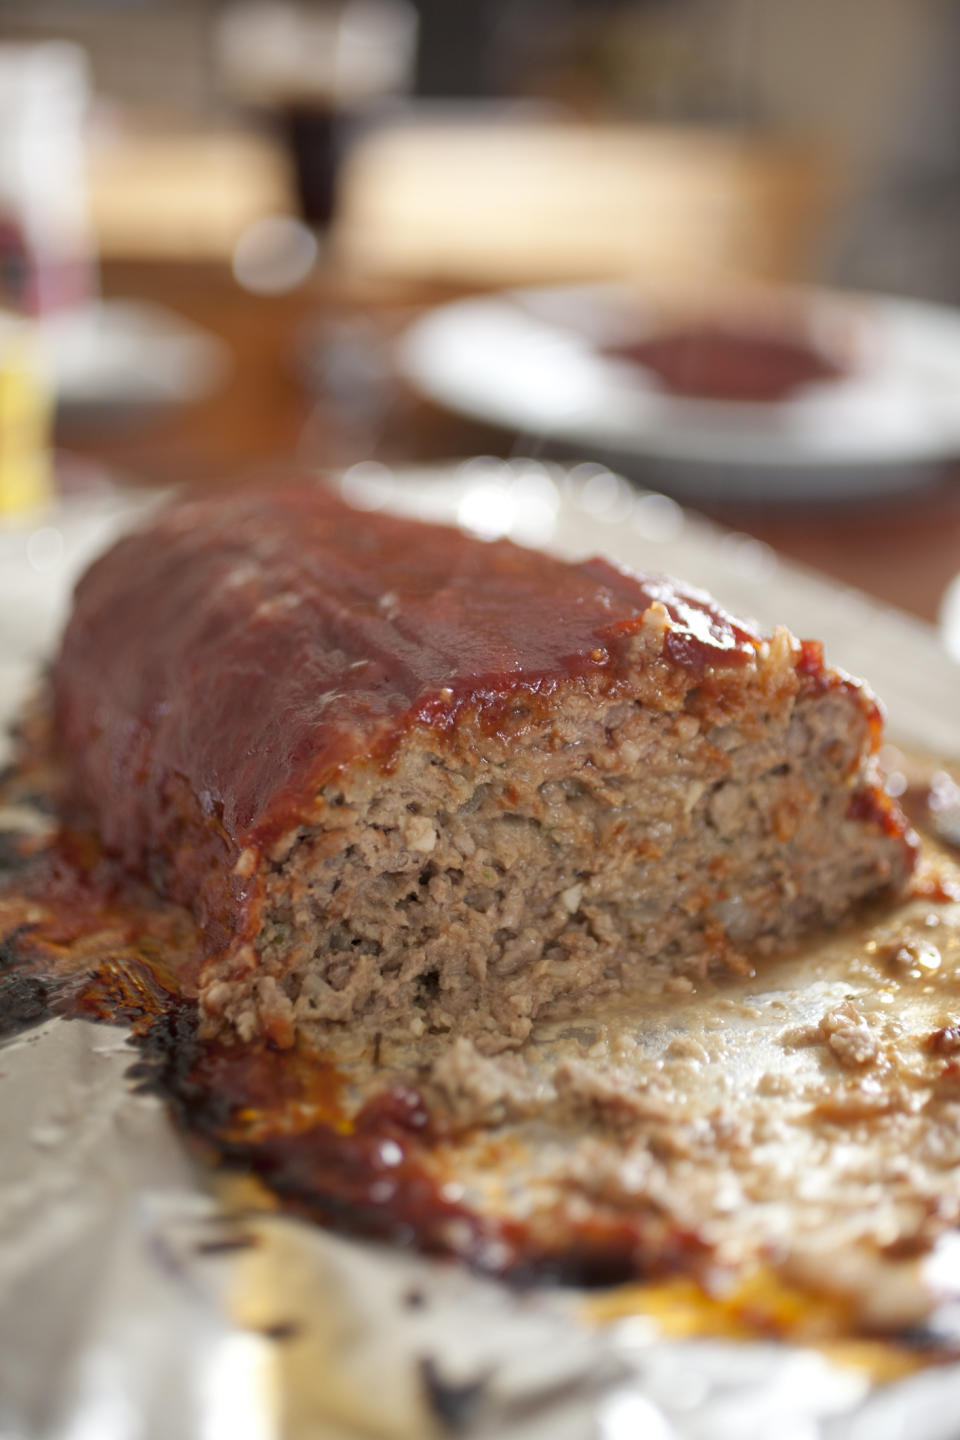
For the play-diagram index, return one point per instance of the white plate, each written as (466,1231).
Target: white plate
(530,360)
(126,353)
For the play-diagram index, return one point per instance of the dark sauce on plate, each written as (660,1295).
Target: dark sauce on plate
(713,361)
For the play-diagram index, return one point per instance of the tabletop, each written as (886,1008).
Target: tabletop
(310,382)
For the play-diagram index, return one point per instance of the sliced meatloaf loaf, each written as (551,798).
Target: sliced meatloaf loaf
(403,776)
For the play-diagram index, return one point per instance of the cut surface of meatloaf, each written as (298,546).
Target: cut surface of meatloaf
(407,777)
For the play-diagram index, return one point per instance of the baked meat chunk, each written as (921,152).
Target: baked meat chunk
(406,777)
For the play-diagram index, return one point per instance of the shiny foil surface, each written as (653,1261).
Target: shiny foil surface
(144,1293)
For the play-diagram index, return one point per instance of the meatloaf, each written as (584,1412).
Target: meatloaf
(405,777)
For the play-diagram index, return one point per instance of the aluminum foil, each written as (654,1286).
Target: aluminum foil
(138,1301)
(134,1305)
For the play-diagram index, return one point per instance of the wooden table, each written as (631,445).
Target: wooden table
(903,550)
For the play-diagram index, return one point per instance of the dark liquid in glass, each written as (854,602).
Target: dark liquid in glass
(315,138)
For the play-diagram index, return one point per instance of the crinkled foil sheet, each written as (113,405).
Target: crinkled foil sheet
(138,1302)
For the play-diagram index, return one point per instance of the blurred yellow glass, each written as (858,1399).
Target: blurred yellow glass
(26,408)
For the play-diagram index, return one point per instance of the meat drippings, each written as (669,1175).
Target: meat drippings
(808,1120)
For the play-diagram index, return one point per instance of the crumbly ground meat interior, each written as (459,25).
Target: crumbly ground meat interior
(485,882)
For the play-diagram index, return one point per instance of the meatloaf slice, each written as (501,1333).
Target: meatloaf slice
(405,777)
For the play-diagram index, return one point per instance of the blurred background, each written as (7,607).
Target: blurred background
(232,234)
